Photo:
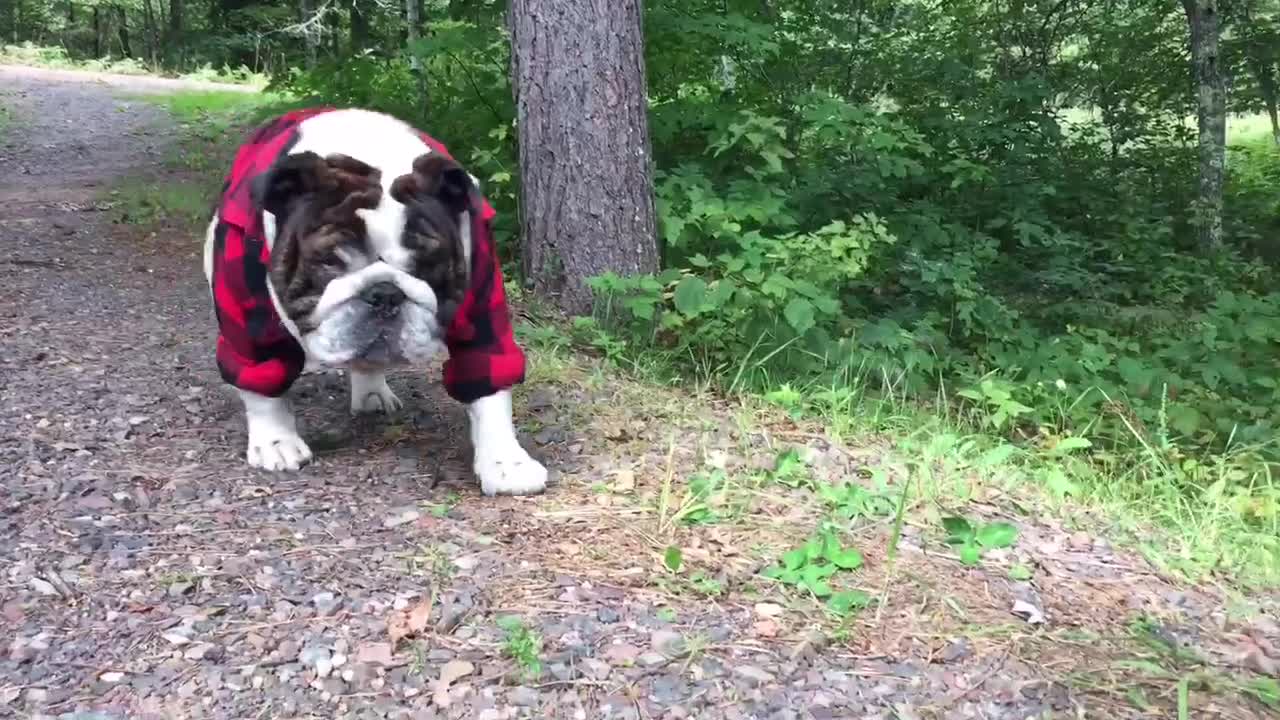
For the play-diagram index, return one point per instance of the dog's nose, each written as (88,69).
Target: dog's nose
(384,296)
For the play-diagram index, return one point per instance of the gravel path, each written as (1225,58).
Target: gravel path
(147,572)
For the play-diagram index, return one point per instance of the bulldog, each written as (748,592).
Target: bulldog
(345,238)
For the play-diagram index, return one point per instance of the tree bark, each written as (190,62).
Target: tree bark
(1211,116)
(586,190)
(173,41)
(308,32)
(413,26)
(122,28)
(359,26)
(97,31)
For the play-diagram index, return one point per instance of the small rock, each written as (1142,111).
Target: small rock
(1081,541)
(523,697)
(176,638)
(324,666)
(111,677)
(312,655)
(753,674)
(1025,610)
(203,651)
(402,517)
(596,669)
(769,610)
(607,615)
(667,642)
(956,650)
(179,589)
(621,654)
(44,587)
(651,660)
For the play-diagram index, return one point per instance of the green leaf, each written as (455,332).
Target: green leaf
(846,601)
(816,573)
(794,559)
(997,455)
(799,315)
(1266,690)
(670,275)
(819,588)
(673,558)
(813,548)
(1059,484)
(958,530)
(689,294)
(1066,445)
(1020,573)
(969,554)
(997,535)
(846,559)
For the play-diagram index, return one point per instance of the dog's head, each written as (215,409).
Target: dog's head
(367,274)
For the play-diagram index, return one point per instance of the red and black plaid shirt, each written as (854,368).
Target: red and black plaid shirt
(256,352)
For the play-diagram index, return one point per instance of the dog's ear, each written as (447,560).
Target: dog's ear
(435,175)
(290,179)
(338,180)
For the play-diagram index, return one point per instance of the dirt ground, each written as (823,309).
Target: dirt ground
(147,572)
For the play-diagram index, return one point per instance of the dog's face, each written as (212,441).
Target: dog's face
(367,277)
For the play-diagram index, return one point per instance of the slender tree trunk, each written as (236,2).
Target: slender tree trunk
(308,32)
(122,29)
(587,204)
(150,31)
(1264,73)
(173,43)
(413,23)
(97,31)
(359,26)
(1211,115)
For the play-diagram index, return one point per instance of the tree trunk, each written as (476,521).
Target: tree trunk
(150,30)
(1211,116)
(308,32)
(1265,75)
(586,194)
(97,31)
(359,26)
(122,28)
(413,25)
(173,43)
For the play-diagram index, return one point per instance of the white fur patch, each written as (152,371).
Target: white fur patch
(274,443)
(503,467)
(370,393)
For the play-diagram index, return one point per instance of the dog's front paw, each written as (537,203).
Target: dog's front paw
(370,394)
(276,448)
(509,470)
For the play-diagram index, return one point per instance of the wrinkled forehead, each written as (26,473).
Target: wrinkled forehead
(382,142)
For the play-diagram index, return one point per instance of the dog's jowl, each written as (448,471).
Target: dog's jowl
(346,238)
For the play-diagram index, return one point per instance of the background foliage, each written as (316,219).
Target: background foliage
(986,200)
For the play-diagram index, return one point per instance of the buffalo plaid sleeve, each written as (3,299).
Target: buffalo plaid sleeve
(483,355)
(254,351)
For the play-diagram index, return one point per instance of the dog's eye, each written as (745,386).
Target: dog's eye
(332,261)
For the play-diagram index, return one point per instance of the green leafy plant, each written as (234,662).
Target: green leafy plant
(522,644)
(974,540)
(811,566)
